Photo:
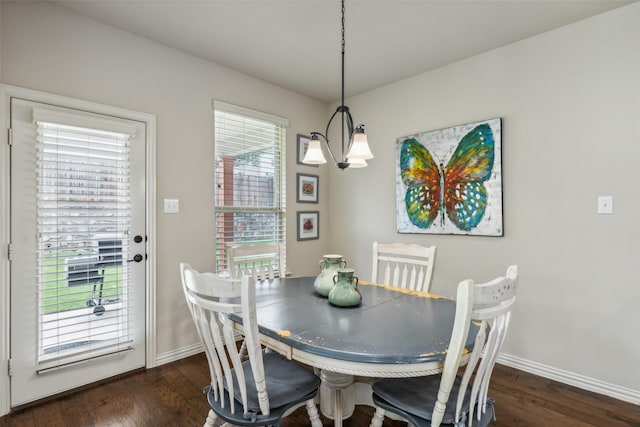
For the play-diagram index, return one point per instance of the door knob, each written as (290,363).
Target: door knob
(136,258)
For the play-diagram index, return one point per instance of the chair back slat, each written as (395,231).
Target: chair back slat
(262,261)
(254,349)
(404,266)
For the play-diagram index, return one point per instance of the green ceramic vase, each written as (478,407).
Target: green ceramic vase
(329,266)
(345,292)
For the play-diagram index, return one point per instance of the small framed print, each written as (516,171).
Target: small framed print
(307,188)
(308,225)
(303,144)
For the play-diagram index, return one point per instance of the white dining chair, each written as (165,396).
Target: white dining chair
(261,261)
(424,401)
(408,266)
(261,390)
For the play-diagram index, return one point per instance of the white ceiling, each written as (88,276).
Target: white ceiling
(296,44)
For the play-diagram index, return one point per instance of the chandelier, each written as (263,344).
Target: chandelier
(354,140)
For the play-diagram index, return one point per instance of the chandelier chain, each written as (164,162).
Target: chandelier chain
(343,26)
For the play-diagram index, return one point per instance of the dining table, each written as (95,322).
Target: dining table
(393,332)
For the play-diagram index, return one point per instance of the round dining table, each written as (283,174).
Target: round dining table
(393,332)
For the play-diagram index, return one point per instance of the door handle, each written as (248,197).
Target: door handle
(136,258)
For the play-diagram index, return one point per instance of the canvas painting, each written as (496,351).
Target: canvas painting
(449,181)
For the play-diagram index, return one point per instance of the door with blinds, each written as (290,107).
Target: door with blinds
(77,248)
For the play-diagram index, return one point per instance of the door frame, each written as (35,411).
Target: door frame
(6,93)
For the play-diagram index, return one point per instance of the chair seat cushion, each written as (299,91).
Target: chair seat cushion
(485,419)
(418,396)
(286,382)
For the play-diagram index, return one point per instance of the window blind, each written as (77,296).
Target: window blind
(83,218)
(250,197)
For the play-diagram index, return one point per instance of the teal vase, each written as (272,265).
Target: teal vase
(345,292)
(329,266)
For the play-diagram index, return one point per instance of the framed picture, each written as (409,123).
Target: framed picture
(449,181)
(308,225)
(302,145)
(307,188)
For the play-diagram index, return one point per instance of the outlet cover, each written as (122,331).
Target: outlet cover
(605,205)
(171,206)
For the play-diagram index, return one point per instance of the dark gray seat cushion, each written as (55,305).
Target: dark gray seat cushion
(286,382)
(417,397)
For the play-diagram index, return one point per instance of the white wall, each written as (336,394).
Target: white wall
(570,104)
(47,48)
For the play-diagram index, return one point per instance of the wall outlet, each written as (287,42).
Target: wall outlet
(605,205)
(171,205)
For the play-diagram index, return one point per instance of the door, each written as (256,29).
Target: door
(77,257)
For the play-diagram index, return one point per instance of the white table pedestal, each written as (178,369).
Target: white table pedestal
(337,396)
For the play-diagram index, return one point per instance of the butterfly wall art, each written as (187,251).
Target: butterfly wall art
(449,181)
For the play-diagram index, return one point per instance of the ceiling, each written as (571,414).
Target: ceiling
(295,44)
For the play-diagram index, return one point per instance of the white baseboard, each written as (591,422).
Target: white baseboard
(570,378)
(178,354)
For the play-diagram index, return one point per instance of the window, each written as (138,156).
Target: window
(249,184)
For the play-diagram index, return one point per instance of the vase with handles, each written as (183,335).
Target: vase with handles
(345,292)
(329,266)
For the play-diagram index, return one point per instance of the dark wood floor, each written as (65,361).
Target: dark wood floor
(171,395)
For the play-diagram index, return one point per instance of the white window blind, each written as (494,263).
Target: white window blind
(83,219)
(250,197)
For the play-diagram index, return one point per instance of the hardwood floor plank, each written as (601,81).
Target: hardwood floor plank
(599,410)
(22,418)
(49,414)
(104,407)
(590,408)
(148,404)
(528,411)
(171,395)
(76,407)
(180,398)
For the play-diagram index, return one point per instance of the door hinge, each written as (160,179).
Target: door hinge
(10,370)
(10,251)
(10,137)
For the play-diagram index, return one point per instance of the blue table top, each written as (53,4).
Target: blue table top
(390,326)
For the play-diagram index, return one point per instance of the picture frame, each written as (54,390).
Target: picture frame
(302,146)
(308,225)
(307,188)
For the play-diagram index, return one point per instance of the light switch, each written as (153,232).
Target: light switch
(171,206)
(605,204)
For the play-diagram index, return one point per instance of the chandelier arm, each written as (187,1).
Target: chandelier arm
(350,134)
(326,143)
(326,132)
